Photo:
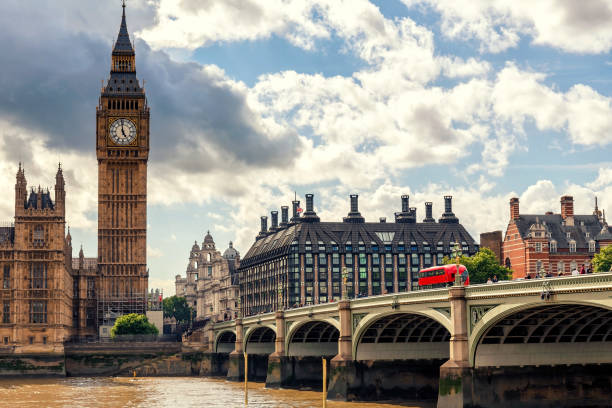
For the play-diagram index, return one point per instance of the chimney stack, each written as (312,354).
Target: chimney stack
(264,228)
(284,216)
(567,209)
(310,215)
(274,215)
(296,215)
(429,212)
(514,208)
(448,216)
(354,215)
(382,220)
(405,203)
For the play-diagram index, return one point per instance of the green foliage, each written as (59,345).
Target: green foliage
(482,266)
(133,323)
(603,260)
(177,307)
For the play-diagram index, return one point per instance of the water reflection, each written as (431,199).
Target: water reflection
(158,392)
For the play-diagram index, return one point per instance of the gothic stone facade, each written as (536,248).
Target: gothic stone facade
(300,261)
(211,282)
(535,244)
(36,292)
(122,149)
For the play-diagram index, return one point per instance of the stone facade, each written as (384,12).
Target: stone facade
(537,244)
(122,149)
(36,292)
(211,282)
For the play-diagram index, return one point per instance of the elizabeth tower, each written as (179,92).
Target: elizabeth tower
(122,148)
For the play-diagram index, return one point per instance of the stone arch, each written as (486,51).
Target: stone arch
(225,341)
(313,338)
(366,321)
(385,336)
(543,334)
(260,339)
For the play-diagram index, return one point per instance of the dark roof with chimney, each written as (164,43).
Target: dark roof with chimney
(558,229)
(371,234)
(46,202)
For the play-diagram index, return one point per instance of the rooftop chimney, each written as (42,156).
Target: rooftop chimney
(406,215)
(310,215)
(274,226)
(296,215)
(284,216)
(264,227)
(448,216)
(382,219)
(514,208)
(567,210)
(428,212)
(354,215)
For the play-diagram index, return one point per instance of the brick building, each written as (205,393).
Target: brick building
(552,243)
(211,282)
(300,260)
(36,291)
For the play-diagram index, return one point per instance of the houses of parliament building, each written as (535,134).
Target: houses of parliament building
(48,297)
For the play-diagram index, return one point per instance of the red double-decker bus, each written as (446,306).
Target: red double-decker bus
(442,276)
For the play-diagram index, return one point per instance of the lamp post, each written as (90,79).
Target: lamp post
(279,296)
(239,307)
(456,253)
(344,280)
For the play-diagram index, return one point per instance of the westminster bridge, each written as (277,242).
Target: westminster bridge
(540,342)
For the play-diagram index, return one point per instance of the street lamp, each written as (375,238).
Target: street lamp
(456,253)
(344,280)
(239,306)
(280,296)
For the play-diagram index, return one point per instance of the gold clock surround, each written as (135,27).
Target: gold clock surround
(111,120)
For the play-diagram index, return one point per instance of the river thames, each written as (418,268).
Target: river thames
(159,392)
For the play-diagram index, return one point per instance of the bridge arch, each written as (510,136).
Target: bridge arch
(225,341)
(313,338)
(539,333)
(402,335)
(260,339)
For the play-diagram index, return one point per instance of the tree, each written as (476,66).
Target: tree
(133,323)
(603,260)
(482,266)
(177,307)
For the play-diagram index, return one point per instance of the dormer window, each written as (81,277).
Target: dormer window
(591,246)
(588,234)
(568,235)
(553,246)
(572,246)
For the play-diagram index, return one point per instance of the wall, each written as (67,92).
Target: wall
(50,365)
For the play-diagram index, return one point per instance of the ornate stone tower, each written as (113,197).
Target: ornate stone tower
(122,147)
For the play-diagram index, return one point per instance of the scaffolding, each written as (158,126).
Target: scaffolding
(109,309)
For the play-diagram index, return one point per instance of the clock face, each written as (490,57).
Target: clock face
(123,132)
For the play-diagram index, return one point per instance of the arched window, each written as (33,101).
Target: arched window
(208,257)
(572,246)
(561,267)
(38,237)
(508,264)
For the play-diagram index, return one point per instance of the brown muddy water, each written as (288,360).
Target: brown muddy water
(160,392)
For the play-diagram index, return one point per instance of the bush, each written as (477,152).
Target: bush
(603,260)
(133,323)
(482,266)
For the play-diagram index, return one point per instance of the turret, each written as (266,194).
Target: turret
(21,190)
(60,193)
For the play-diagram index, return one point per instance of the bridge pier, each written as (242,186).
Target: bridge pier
(343,372)
(235,369)
(278,362)
(455,388)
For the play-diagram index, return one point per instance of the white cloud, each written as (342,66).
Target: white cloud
(154,252)
(570,25)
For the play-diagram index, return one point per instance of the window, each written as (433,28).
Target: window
(335,258)
(209,272)
(439,259)
(553,246)
(538,247)
(6,340)
(38,311)
(363,260)
(6,280)
(348,259)
(6,312)
(44,339)
(538,266)
(560,267)
(573,266)
(572,246)
(588,234)
(38,275)
(427,259)
(91,287)
(386,237)
(31,339)
(414,259)
(568,235)
(322,259)
(591,246)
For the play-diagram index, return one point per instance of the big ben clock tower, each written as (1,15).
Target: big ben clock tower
(122,149)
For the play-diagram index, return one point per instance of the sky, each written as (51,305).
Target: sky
(253,101)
